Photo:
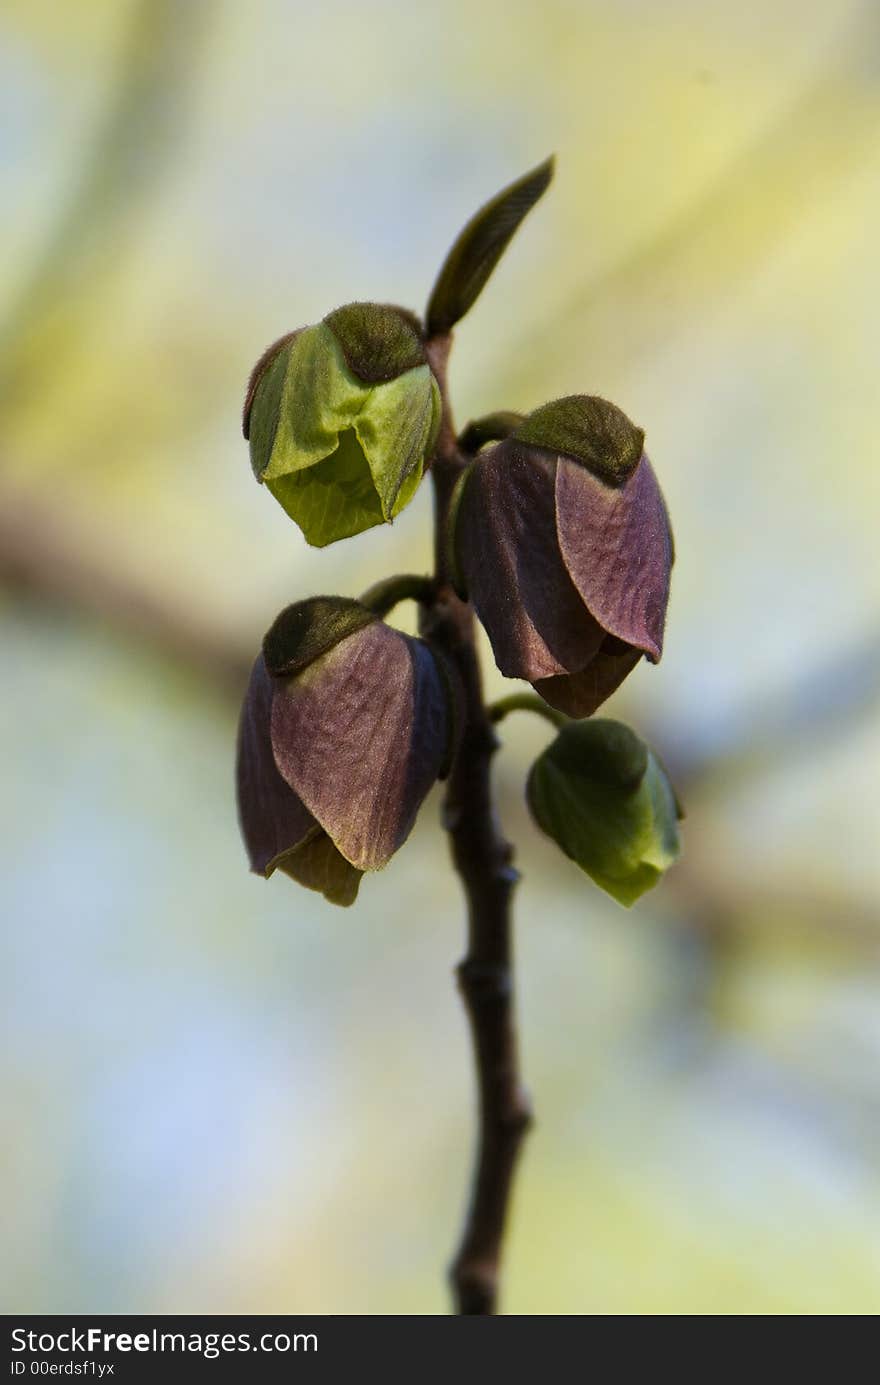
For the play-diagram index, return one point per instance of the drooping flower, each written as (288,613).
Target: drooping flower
(562,541)
(341,419)
(603,796)
(346,725)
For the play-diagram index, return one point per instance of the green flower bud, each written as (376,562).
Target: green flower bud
(342,418)
(605,799)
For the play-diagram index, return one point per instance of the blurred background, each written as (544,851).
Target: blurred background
(222,1094)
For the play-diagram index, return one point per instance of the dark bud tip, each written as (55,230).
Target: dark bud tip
(379,341)
(308,629)
(492,428)
(590,431)
(479,247)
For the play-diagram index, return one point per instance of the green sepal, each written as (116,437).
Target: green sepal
(257,374)
(339,455)
(378,340)
(590,431)
(479,247)
(605,799)
(308,629)
(263,407)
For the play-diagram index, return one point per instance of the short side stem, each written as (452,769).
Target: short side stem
(483,859)
(525,702)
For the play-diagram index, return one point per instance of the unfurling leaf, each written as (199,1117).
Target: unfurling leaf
(479,247)
(605,799)
(319,865)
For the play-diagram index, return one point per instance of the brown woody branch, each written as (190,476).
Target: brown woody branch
(483,860)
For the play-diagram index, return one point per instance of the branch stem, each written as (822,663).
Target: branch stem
(483,859)
(383,596)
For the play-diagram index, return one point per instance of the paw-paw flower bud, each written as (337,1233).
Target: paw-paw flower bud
(342,418)
(346,725)
(562,542)
(603,796)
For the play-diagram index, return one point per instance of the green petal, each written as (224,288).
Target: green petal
(335,498)
(397,427)
(319,400)
(318,865)
(344,456)
(265,411)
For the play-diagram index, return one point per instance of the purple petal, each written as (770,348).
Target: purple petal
(580,694)
(361,735)
(272,818)
(617,545)
(509,557)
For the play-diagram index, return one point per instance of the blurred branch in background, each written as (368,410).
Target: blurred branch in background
(43,561)
(822,703)
(133,147)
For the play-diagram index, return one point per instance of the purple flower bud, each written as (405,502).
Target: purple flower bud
(566,554)
(336,758)
(279,831)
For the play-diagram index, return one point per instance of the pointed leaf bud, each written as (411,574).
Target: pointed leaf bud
(479,247)
(605,799)
(342,419)
(566,554)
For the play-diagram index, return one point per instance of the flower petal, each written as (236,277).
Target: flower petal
(617,546)
(273,820)
(396,428)
(580,694)
(509,559)
(361,735)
